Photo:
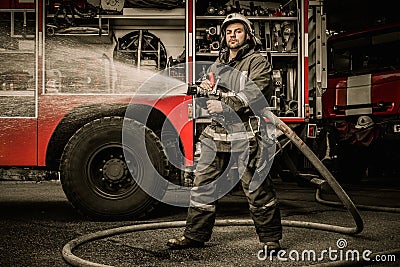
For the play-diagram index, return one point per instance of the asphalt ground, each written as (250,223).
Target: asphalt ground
(37,221)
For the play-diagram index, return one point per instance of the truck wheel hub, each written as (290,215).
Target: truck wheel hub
(115,169)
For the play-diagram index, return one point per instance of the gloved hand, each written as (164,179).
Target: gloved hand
(214,106)
(204,88)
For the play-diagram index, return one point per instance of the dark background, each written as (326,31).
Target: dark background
(348,15)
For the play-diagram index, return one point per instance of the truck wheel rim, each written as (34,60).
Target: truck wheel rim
(110,176)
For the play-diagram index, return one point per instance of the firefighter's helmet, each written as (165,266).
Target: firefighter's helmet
(364,122)
(236,17)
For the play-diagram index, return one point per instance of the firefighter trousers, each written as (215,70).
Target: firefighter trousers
(212,175)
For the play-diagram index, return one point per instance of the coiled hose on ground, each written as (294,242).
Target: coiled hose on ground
(320,167)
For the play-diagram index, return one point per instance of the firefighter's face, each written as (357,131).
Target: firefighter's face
(235,35)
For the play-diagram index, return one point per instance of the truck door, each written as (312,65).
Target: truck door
(18,83)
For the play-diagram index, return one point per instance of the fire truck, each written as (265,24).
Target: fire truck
(76,73)
(358,127)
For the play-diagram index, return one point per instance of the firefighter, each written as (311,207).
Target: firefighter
(245,75)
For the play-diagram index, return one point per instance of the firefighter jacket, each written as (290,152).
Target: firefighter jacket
(247,82)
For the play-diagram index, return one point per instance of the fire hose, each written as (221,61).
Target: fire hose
(319,166)
(319,199)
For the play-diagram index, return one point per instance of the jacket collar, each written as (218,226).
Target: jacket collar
(243,52)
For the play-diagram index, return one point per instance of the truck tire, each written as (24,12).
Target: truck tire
(95,176)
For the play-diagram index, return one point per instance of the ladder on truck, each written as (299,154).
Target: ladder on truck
(317,49)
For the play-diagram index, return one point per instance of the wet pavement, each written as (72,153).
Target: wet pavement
(37,222)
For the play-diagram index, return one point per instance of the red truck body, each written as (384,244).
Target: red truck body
(368,74)
(377,94)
